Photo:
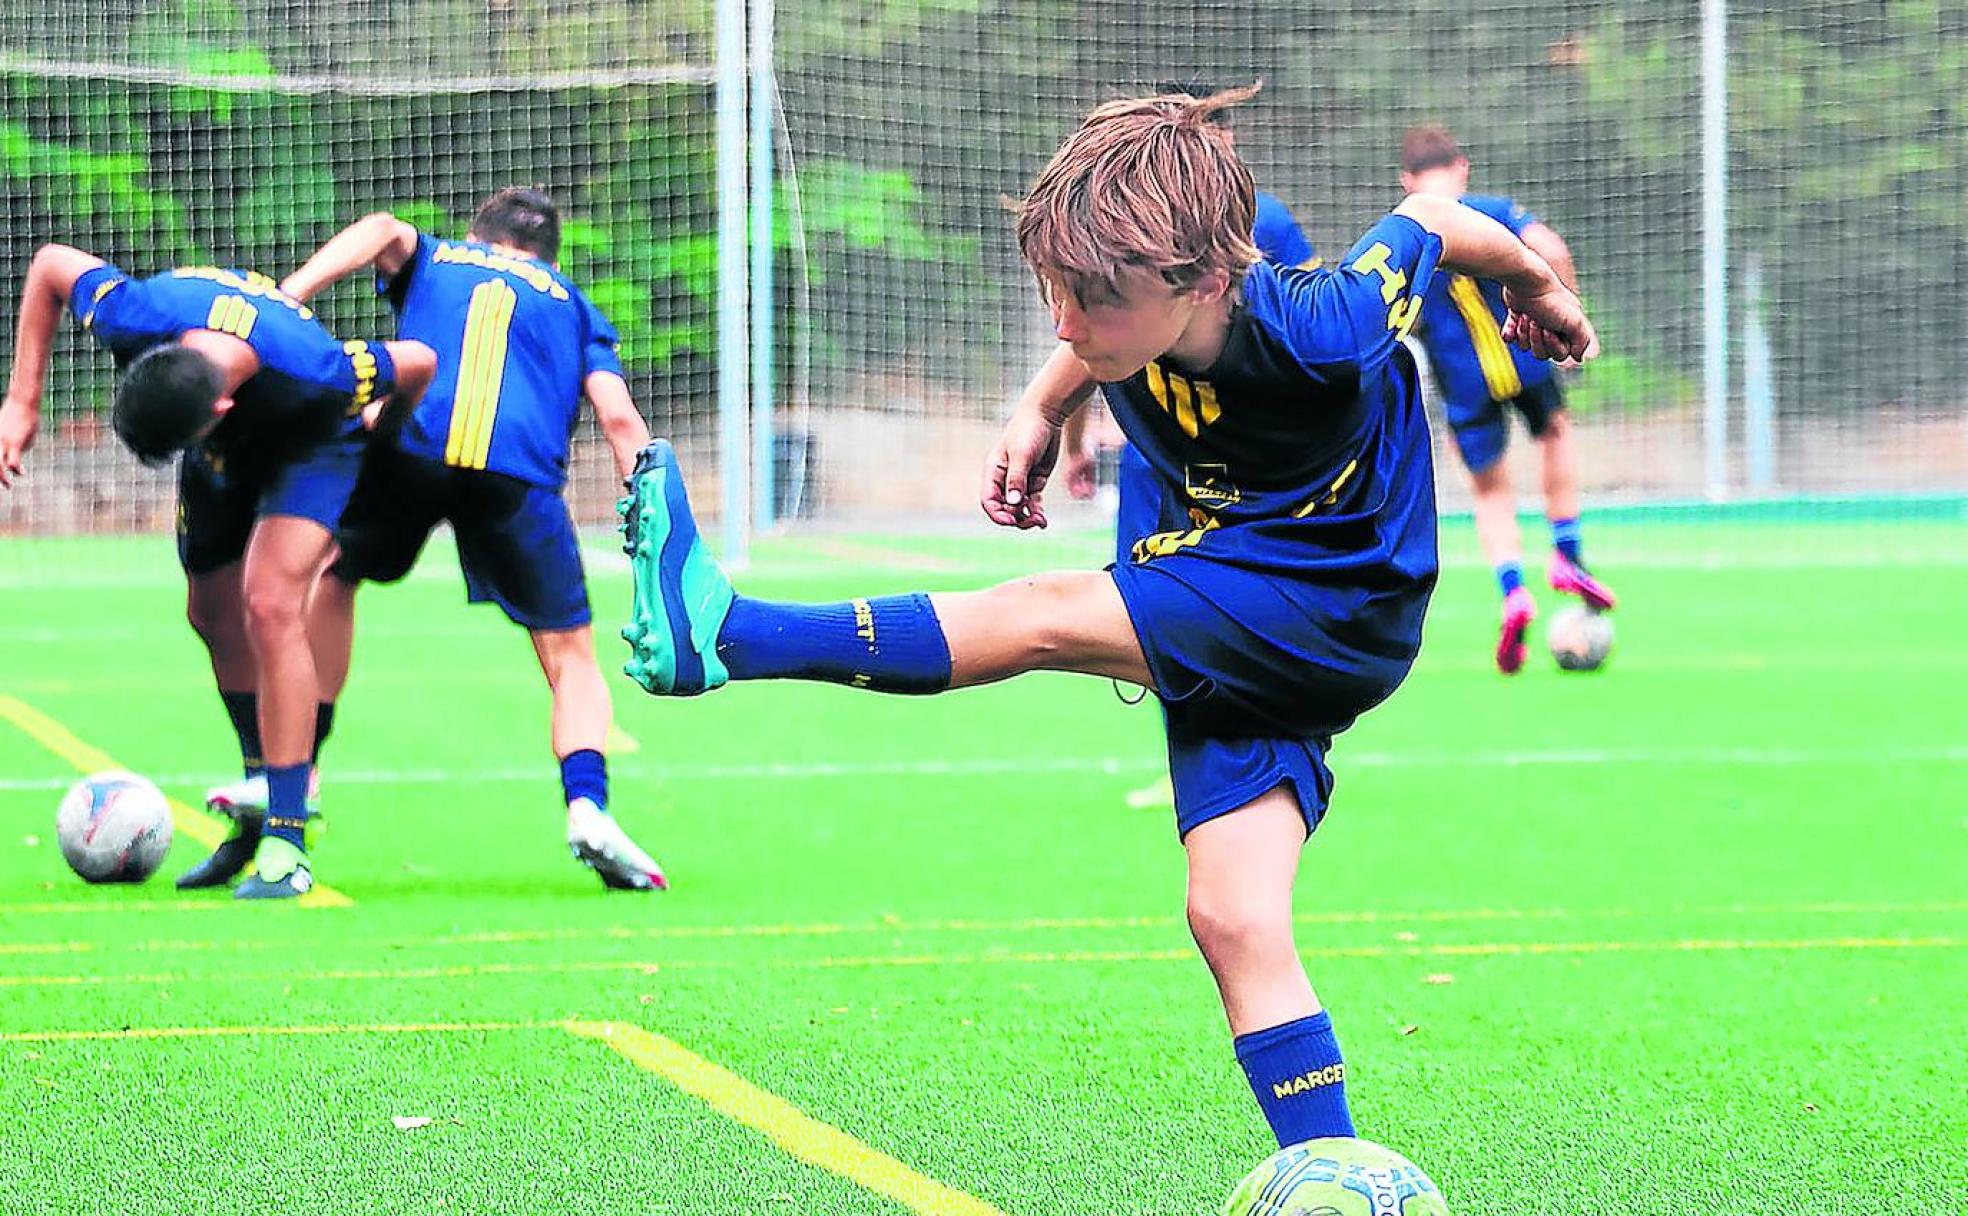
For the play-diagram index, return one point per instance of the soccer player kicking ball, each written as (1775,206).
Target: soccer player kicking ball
(268,410)
(1281,592)
(1482,379)
(519,346)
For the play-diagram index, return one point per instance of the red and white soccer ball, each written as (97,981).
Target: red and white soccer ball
(114,827)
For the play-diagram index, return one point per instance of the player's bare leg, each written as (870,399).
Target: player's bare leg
(215,606)
(284,559)
(1561,505)
(582,712)
(1503,544)
(1242,867)
(1062,621)
(331,633)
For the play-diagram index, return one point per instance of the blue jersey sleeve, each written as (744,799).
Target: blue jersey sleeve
(1277,234)
(122,313)
(1508,212)
(1357,313)
(393,287)
(600,351)
(91,288)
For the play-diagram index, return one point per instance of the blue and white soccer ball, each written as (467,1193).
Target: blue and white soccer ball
(114,827)
(1336,1177)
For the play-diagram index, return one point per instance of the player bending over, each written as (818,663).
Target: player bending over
(1280,591)
(518,346)
(268,410)
(1481,379)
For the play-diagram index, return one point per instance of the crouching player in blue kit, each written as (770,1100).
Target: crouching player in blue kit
(1280,593)
(487,450)
(1483,380)
(268,409)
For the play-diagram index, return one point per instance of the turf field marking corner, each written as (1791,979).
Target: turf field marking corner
(798,1134)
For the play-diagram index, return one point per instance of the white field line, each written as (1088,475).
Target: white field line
(1104,765)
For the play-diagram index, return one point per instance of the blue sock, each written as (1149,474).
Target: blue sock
(287,802)
(1510,576)
(1299,1079)
(1565,539)
(324,725)
(244,710)
(584,774)
(891,644)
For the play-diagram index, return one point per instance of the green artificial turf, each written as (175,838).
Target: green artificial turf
(1686,935)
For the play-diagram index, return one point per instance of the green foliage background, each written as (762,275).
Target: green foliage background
(910,120)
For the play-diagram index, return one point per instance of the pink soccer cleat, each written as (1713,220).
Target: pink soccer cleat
(1569,578)
(1519,610)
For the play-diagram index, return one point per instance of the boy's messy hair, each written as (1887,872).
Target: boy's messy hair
(1147,183)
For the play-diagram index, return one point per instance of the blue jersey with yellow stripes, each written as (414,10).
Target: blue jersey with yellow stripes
(1462,327)
(311,386)
(1303,451)
(1278,236)
(515,343)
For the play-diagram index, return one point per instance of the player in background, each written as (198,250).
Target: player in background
(518,347)
(1278,238)
(1482,378)
(1281,590)
(268,410)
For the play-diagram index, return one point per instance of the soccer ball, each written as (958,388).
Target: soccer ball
(1336,1177)
(1580,639)
(114,827)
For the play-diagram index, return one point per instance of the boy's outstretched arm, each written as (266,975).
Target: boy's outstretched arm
(1015,473)
(51,277)
(1552,248)
(1545,316)
(621,423)
(379,240)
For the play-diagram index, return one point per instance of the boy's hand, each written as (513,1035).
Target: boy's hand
(18,424)
(1076,469)
(1551,324)
(1015,475)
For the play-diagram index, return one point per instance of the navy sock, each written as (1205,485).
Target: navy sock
(1510,576)
(1565,539)
(244,710)
(287,802)
(324,725)
(891,644)
(1299,1079)
(584,774)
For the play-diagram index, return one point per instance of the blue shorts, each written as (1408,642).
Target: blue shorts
(516,541)
(1482,430)
(1252,672)
(219,502)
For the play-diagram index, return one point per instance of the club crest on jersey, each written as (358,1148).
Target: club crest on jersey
(1210,483)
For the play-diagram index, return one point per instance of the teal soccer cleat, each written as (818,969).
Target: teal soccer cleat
(681,596)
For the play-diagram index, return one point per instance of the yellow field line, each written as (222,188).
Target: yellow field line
(1003,958)
(119,907)
(224,1032)
(46,947)
(87,758)
(799,1134)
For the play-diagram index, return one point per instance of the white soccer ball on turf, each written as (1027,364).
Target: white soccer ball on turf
(114,827)
(1579,638)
